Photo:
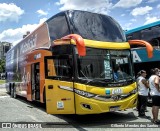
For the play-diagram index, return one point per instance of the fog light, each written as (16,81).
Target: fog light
(86,106)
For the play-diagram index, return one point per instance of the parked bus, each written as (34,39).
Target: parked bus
(69,63)
(150,33)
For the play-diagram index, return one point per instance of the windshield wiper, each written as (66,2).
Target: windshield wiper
(84,74)
(98,80)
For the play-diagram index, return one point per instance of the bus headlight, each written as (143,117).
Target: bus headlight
(84,93)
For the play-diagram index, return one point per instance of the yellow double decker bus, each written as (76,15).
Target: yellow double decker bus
(77,62)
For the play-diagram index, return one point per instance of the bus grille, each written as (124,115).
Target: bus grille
(112,98)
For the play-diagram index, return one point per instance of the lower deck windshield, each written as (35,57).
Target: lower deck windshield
(105,65)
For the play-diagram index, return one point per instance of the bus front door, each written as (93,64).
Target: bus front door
(35,80)
(59,85)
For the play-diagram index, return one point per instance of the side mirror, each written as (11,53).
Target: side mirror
(149,47)
(78,40)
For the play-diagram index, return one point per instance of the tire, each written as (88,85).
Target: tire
(13,91)
(44,95)
(9,89)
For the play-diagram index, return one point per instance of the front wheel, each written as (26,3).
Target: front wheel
(13,92)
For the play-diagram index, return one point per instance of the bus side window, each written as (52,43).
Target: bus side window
(51,68)
(63,67)
(155,42)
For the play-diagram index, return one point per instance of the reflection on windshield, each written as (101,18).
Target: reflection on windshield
(94,26)
(108,65)
(118,74)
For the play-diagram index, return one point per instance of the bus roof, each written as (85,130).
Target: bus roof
(65,23)
(143,27)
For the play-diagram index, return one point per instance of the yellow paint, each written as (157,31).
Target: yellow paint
(56,95)
(73,104)
(102,106)
(105,45)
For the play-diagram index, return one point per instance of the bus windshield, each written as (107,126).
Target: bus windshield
(104,64)
(96,26)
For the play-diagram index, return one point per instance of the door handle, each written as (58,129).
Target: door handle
(50,86)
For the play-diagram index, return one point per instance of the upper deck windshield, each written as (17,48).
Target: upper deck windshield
(111,66)
(95,26)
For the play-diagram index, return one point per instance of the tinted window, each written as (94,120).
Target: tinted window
(101,64)
(58,26)
(96,26)
(152,35)
(155,42)
(129,37)
(62,49)
(136,35)
(62,67)
(59,67)
(156,31)
(133,36)
(146,34)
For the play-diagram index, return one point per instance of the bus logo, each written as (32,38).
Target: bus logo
(115,98)
(117,91)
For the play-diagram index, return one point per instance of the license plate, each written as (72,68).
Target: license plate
(117,91)
(114,108)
